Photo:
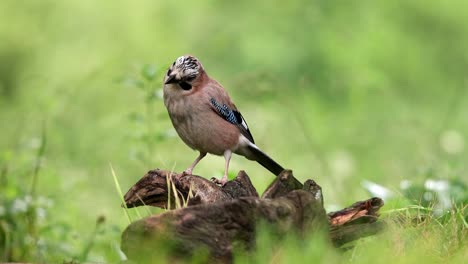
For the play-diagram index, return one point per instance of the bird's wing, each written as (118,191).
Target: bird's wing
(227,110)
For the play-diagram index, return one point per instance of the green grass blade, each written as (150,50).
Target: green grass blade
(119,191)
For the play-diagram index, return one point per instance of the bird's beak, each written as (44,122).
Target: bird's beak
(170,79)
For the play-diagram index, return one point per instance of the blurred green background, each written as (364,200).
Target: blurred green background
(354,95)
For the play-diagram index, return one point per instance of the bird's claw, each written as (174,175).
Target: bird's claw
(221,182)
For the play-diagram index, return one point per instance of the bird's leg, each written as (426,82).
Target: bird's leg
(227,158)
(189,170)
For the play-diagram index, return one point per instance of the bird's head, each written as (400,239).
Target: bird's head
(184,72)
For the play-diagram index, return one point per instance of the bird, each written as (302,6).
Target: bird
(206,119)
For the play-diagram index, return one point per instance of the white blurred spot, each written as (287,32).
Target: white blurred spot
(341,164)
(405,184)
(441,188)
(452,142)
(65,247)
(436,185)
(27,199)
(160,93)
(40,242)
(377,190)
(19,206)
(41,213)
(34,143)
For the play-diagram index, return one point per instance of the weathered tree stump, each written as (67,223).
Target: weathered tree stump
(218,220)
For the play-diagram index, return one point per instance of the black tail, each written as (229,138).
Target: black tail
(267,162)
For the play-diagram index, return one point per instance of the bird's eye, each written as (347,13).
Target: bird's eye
(169,72)
(190,78)
(185,85)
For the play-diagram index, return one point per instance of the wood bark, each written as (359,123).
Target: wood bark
(219,220)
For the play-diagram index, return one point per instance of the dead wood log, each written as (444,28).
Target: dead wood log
(218,226)
(282,185)
(221,219)
(153,189)
(356,221)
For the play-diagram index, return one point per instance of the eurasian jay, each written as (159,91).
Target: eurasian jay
(206,119)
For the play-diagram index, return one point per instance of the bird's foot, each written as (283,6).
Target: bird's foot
(221,182)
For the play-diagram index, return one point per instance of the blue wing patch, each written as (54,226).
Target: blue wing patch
(225,112)
(233,117)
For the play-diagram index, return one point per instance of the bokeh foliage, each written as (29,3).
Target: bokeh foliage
(340,92)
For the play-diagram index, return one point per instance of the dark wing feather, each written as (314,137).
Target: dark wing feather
(232,116)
